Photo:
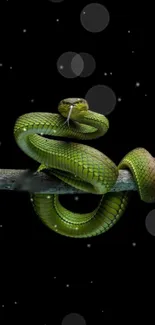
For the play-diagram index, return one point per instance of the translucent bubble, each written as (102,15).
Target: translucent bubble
(89,64)
(150,222)
(94,17)
(77,64)
(64,64)
(73,318)
(101,99)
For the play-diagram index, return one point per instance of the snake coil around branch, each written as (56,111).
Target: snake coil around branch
(80,166)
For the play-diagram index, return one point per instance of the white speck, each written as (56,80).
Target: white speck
(105,73)
(57,19)
(129,31)
(41,133)
(88,245)
(15,302)
(137,84)
(48,196)
(24,129)
(1,64)
(2,305)
(71,106)
(61,67)
(55,226)
(119,99)
(111,73)
(133,51)
(54,131)
(134,244)
(24,30)
(91,281)
(102,311)
(31,199)
(145,95)
(54,277)
(67,285)
(84,12)
(1,226)
(76,198)
(32,100)
(10,68)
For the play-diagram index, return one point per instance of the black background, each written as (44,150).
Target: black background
(33,254)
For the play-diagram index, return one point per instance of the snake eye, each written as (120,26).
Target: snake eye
(73,101)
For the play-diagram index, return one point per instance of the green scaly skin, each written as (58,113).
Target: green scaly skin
(81,166)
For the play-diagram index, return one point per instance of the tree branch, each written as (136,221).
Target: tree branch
(29,181)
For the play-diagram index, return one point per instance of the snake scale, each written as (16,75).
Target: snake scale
(81,166)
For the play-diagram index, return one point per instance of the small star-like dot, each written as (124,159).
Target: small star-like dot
(24,30)
(119,99)
(88,245)
(76,198)
(61,67)
(91,281)
(15,302)
(67,285)
(2,305)
(1,64)
(105,73)
(133,51)
(54,277)
(111,73)
(57,19)
(129,31)
(145,95)
(134,244)
(137,84)
(32,100)
(1,226)
(10,68)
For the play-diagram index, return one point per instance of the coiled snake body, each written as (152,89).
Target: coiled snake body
(81,166)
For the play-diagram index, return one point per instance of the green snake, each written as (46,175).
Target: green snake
(80,166)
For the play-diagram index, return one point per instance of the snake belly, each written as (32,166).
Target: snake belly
(83,167)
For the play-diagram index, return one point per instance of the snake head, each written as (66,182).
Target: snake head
(73,107)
